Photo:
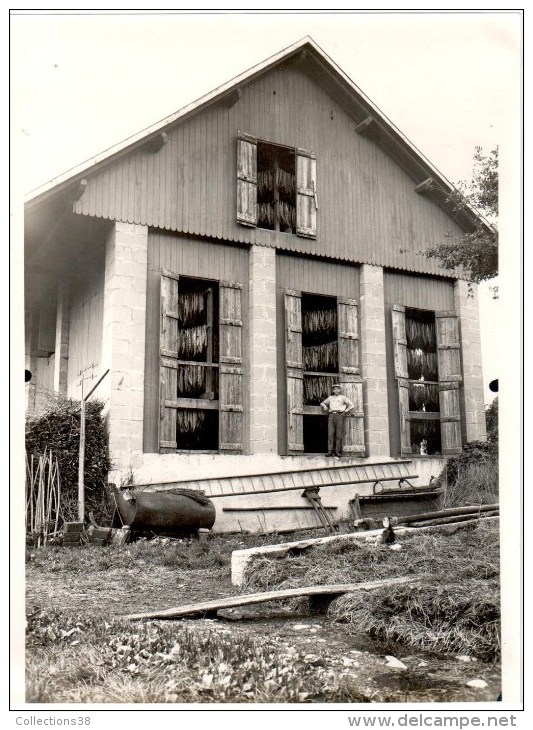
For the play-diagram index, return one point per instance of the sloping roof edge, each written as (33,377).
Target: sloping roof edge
(309,45)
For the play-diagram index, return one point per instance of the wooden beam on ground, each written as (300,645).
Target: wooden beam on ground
(209,607)
(450,512)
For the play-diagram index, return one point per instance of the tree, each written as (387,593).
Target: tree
(476,251)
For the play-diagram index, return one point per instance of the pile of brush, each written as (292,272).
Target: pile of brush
(58,429)
(453,604)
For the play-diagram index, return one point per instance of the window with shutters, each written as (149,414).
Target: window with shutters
(200,365)
(322,348)
(276,187)
(428,371)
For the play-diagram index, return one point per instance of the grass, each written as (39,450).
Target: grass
(472,477)
(453,607)
(88,660)
(186,553)
(75,655)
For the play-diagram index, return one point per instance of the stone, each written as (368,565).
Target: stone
(477,683)
(395,663)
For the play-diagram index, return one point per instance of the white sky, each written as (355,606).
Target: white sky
(82,83)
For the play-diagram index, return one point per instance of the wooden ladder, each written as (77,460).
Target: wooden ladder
(313,497)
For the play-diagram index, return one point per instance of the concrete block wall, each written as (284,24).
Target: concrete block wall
(473,417)
(123,344)
(373,360)
(263,369)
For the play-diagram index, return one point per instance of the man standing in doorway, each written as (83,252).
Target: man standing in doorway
(337,406)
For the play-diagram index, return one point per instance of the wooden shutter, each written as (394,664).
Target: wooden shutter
(399,339)
(448,347)
(405,423)
(450,376)
(354,423)
(293,329)
(231,396)
(306,197)
(348,327)
(450,418)
(168,356)
(294,361)
(246,180)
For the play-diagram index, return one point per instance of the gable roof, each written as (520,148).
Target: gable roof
(371,122)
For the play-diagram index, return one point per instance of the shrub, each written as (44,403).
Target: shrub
(491,420)
(58,429)
(472,477)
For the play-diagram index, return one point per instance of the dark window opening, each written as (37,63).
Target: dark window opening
(425,437)
(315,430)
(320,334)
(198,355)
(198,320)
(197,381)
(316,389)
(321,365)
(422,360)
(424,397)
(276,188)
(197,429)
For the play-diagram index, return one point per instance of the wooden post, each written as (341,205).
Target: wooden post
(81,458)
(81,462)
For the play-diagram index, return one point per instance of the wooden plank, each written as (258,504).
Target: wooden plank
(195,403)
(287,507)
(195,609)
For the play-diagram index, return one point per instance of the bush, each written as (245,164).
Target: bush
(58,429)
(472,477)
(491,419)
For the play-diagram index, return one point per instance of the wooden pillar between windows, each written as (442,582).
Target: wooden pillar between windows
(62,339)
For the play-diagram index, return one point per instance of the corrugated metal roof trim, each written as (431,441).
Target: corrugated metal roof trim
(431,271)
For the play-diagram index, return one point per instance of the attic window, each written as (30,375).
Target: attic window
(276,187)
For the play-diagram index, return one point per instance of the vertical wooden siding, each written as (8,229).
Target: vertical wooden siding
(421,292)
(185,257)
(314,277)
(85,338)
(368,209)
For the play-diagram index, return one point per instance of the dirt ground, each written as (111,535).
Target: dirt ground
(116,593)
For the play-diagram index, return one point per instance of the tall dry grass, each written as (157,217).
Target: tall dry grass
(472,477)
(452,604)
